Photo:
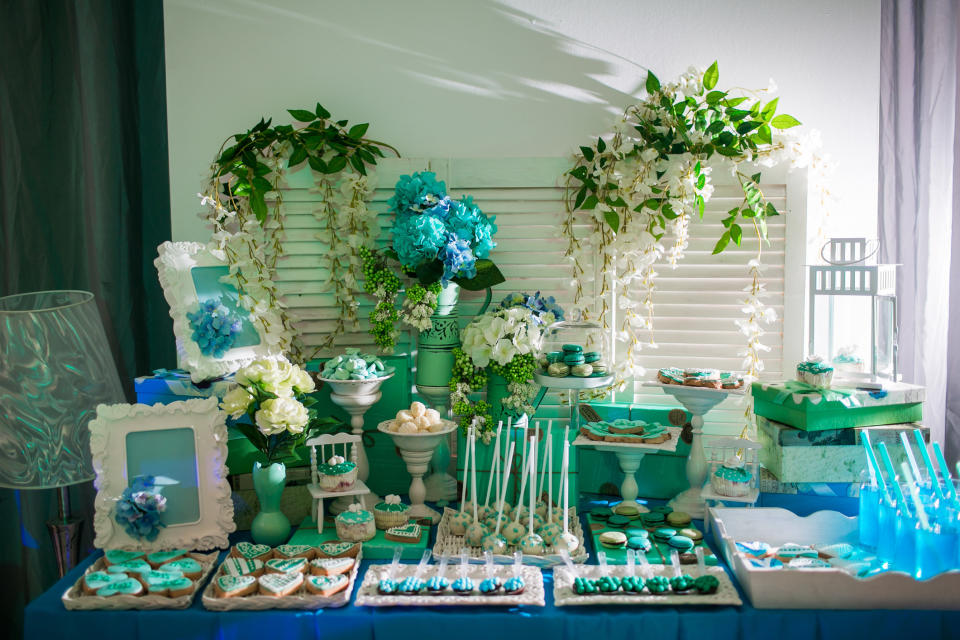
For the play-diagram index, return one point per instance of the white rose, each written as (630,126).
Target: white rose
(271,375)
(281,414)
(236,401)
(302,381)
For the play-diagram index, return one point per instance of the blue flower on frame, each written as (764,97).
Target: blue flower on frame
(139,507)
(215,327)
(417,193)
(458,260)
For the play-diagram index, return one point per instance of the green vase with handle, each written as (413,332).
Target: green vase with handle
(270,526)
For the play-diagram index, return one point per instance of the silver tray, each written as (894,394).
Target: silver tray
(533,593)
(563,595)
(300,599)
(451,544)
(74,599)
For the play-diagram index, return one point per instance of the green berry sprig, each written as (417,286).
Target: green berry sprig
(382,283)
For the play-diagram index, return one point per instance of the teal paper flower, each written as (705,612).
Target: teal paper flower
(417,193)
(417,239)
(470,223)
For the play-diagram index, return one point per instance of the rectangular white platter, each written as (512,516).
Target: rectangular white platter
(563,595)
(822,588)
(74,599)
(451,544)
(300,599)
(533,593)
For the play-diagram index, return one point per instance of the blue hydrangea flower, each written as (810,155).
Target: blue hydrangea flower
(458,260)
(139,508)
(467,221)
(417,239)
(538,305)
(415,194)
(215,327)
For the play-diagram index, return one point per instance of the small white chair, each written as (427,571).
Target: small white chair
(718,450)
(349,447)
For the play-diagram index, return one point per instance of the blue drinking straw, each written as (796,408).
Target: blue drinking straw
(909,451)
(876,476)
(892,475)
(928,463)
(945,470)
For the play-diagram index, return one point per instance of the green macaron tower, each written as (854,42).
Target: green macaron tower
(574,348)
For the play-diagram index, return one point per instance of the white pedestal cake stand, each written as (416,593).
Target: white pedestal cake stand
(416,449)
(441,486)
(698,401)
(629,456)
(356,397)
(574,386)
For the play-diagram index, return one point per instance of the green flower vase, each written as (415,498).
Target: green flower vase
(270,526)
(496,392)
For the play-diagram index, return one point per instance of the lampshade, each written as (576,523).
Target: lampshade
(55,368)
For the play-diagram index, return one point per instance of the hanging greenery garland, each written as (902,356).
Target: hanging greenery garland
(244,201)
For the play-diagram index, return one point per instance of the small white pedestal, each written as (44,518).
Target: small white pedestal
(417,449)
(629,456)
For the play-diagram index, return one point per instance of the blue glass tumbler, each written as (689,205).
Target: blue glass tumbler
(887,531)
(869,513)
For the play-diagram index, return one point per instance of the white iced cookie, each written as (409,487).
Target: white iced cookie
(408,427)
(433,416)
(423,423)
(418,409)
(404,416)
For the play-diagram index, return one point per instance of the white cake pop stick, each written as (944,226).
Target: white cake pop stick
(533,483)
(701,562)
(550,475)
(473,476)
(503,496)
(631,563)
(523,483)
(466,471)
(493,465)
(565,473)
(543,468)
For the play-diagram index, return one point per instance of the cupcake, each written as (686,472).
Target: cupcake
(355,525)
(848,360)
(814,371)
(731,480)
(337,474)
(390,513)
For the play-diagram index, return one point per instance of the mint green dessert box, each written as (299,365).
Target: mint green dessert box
(838,408)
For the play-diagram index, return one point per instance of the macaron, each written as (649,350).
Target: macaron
(634,532)
(554,356)
(681,543)
(612,539)
(572,348)
(653,519)
(629,509)
(640,543)
(601,513)
(591,356)
(678,519)
(573,359)
(618,521)
(581,370)
(664,509)
(558,370)
(599,370)
(693,534)
(664,533)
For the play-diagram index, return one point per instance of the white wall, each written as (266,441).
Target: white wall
(479,78)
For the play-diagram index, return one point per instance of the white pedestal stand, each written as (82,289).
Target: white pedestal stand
(698,401)
(629,456)
(440,485)
(416,449)
(356,397)
(574,386)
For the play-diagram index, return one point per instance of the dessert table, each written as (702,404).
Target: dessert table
(46,618)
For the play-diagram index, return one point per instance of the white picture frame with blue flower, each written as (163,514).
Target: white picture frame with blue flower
(197,285)
(182,448)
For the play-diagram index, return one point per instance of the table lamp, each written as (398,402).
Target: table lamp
(55,368)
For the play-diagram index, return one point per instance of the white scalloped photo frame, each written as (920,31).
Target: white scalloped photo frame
(174,264)
(108,444)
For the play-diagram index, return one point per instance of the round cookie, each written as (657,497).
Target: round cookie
(581,370)
(572,348)
(664,509)
(591,356)
(641,543)
(573,359)
(681,543)
(678,519)
(628,509)
(693,534)
(612,539)
(601,513)
(618,522)
(653,519)
(634,532)
(664,533)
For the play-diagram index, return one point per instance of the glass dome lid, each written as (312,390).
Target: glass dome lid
(574,348)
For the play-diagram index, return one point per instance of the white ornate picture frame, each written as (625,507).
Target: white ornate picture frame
(179,266)
(133,439)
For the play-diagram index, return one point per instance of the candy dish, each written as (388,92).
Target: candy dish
(75,599)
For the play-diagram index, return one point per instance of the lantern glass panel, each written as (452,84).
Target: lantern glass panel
(841,331)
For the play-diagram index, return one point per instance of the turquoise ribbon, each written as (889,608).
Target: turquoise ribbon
(845,397)
(170,374)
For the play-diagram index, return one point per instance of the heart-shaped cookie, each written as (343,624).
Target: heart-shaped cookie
(294,550)
(241,566)
(186,566)
(251,551)
(230,586)
(326,585)
(162,557)
(96,579)
(130,566)
(121,587)
(336,549)
(286,565)
(162,581)
(330,566)
(405,533)
(280,584)
(116,556)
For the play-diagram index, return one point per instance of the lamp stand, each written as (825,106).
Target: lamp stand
(65,533)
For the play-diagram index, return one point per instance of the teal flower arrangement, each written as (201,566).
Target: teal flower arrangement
(139,508)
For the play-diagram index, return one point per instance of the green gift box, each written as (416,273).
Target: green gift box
(804,407)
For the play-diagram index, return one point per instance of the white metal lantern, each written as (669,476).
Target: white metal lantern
(860,306)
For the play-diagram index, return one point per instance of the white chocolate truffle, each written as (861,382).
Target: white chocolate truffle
(408,427)
(437,426)
(433,416)
(404,416)
(422,423)
(418,409)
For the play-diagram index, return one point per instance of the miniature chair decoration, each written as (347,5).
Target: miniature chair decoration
(345,444)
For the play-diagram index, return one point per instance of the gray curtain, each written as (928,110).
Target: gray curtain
(919,204)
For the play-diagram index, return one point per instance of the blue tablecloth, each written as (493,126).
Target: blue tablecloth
(47,619)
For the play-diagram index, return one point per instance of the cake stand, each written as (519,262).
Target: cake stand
(574,386)
(356,397)
(417,449)
(698,401)
(629,456)
(441,486)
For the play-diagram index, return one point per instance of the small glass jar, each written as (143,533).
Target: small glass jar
(869,511)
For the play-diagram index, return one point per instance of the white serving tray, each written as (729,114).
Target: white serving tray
(300,599)
(819,588)
(563,595)
(74,599)
(533,594)
(451,544)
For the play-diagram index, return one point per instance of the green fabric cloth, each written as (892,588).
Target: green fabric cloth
(84,202)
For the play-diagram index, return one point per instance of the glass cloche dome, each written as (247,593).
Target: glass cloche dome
(574,348)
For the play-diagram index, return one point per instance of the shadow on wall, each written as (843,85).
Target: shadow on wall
(512,61)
